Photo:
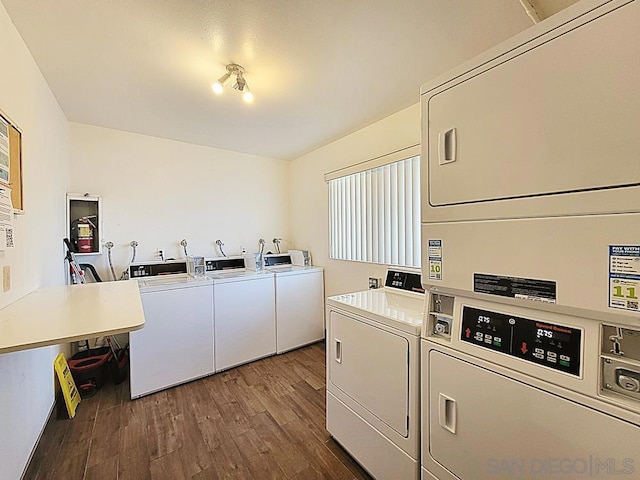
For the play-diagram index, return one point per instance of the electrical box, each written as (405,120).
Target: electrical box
(84,223)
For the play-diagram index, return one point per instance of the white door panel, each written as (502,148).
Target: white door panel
(483,425)
(370,365)
(561,117)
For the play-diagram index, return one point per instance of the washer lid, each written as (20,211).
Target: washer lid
(401,311)
(170,282)
(281,270)
(236,274)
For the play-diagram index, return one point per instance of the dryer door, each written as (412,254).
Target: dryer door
(370,366)
(535,125)
(483,425)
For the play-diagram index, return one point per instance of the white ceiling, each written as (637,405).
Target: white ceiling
(319,69)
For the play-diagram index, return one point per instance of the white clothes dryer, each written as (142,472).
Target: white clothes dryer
(373,348)
(516,392)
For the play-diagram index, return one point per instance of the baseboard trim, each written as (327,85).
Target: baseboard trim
(33,450)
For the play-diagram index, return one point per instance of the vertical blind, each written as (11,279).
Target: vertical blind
(374,215)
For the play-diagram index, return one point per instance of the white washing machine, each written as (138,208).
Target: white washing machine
(299,302)
(244,316)
(373,366)
(175,345)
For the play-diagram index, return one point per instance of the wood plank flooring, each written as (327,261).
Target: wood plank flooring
(264,420)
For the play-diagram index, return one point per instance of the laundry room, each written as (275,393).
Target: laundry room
(319,239)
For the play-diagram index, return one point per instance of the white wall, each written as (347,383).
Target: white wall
(309,200)
(159,191)
(26,388)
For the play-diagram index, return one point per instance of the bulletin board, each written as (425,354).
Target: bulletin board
(14,152)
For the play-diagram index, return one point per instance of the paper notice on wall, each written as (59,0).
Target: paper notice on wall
(6,219)
(4,151)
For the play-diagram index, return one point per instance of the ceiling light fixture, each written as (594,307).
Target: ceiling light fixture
(240,85)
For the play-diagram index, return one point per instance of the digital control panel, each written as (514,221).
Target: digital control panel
(223,264)
(270,261)
(552,345)
(404,281)
(154,269)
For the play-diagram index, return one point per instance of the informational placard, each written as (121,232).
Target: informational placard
(6,219)
(67,385)
(435,259)
(624,276)
(4,151)
(515,287)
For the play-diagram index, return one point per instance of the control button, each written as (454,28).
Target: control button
(539,356)
(497,341)
(479,336)
(565,358)
(488,339)
(551,359)
(629,383)
(564,363)
(552,354)
(539,350)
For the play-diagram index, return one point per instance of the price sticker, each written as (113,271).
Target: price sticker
(624,277)
(435,259)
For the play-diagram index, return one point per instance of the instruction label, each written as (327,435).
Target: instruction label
(624,276)
(515,287)
(435,259)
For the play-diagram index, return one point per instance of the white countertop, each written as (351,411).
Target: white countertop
(60,314)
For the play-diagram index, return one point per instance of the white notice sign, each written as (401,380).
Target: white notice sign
(6,219)
(624,276)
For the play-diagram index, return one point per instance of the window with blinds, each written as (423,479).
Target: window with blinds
(374,214)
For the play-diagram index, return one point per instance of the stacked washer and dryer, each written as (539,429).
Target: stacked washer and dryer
(531,254)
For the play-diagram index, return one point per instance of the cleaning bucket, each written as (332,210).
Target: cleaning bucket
(89,369)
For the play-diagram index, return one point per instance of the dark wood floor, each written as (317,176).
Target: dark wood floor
(258,421)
